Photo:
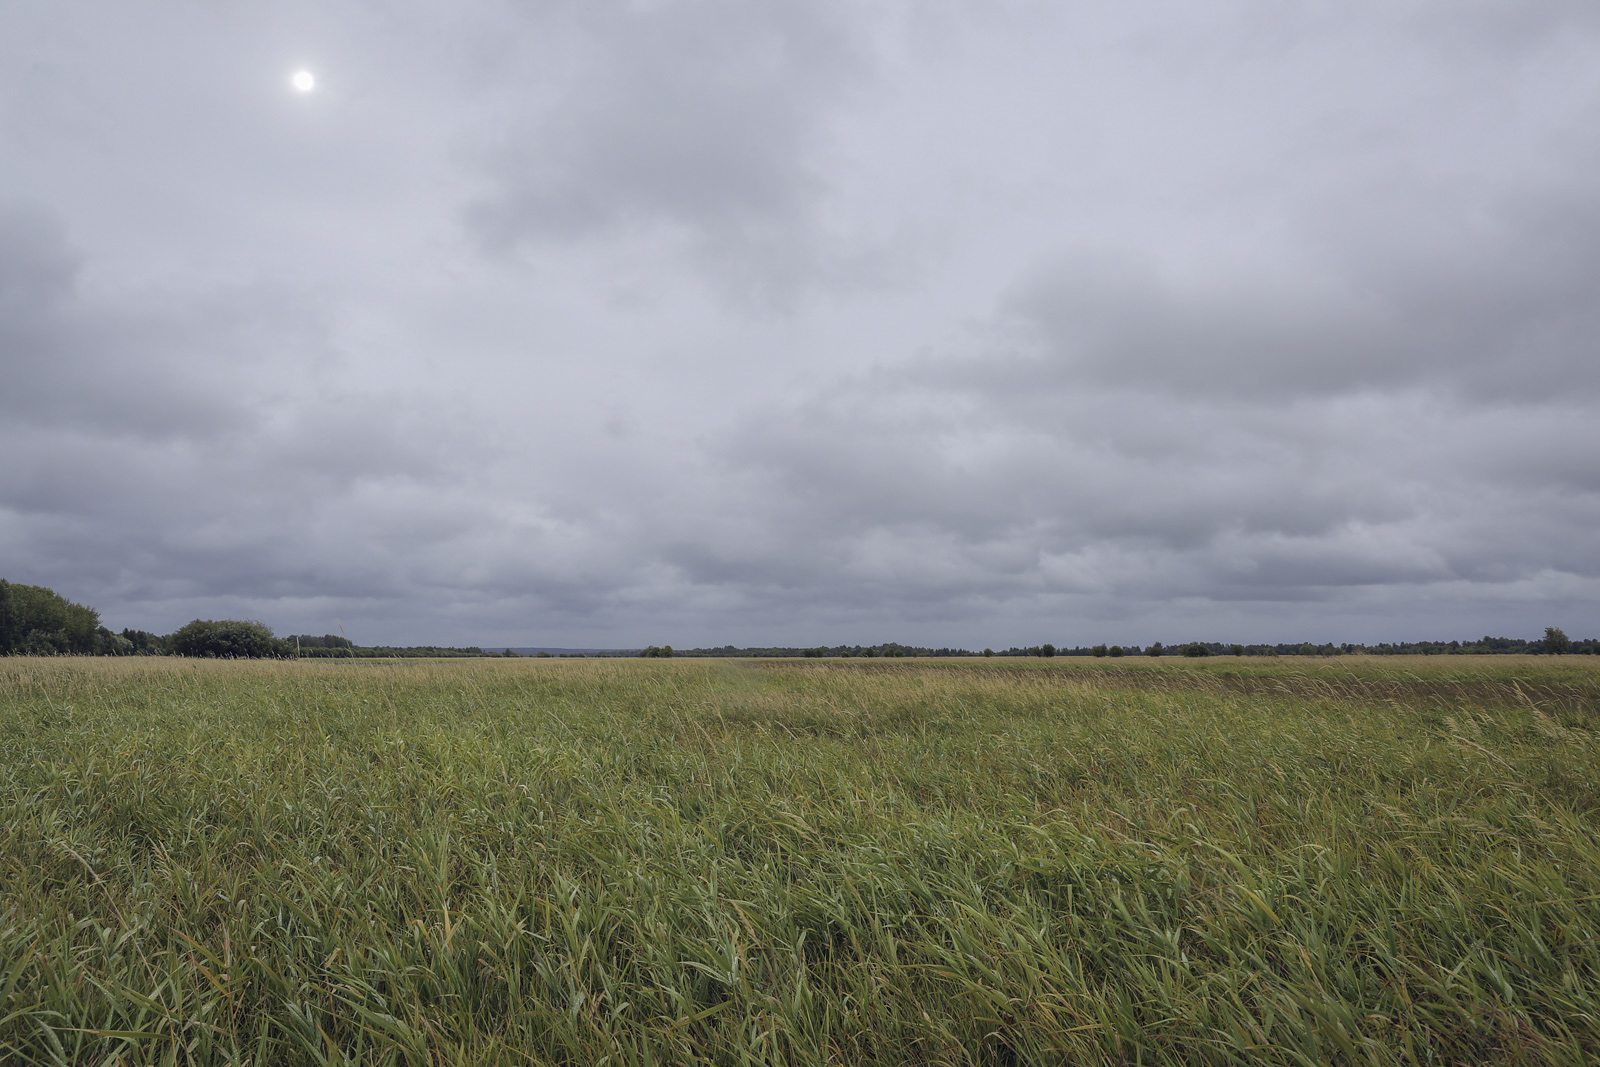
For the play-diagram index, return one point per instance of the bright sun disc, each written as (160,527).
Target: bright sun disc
(304,81)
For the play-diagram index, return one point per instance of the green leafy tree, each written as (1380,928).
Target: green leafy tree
(39,621)
(1555,643)
(227,639)
(82,628)
(11,631)
(1155,649)
(1196,650)
(1098,650)
(145,643)
(110,644)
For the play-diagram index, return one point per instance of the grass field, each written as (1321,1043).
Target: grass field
(581,862)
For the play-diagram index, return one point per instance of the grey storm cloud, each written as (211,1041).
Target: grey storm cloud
(146,371)
(1492,301)
(701,321)
(703,122)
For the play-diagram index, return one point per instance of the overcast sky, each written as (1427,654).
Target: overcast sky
(602,323)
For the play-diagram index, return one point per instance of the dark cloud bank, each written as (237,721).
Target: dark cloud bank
(611,324)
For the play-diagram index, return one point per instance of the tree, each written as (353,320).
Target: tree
(1196,650)
(82,628)
(1555,643)
(110,644)
(1098,650)
(325,641)
(145,643)
(1117,651)
(39,621)
(1047,650)
(227,639)
(11,630)
(1155,649)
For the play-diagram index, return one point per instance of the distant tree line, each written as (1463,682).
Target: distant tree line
(36,621)
(888,650)
(1554,642)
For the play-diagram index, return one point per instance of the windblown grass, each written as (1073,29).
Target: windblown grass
(577,862)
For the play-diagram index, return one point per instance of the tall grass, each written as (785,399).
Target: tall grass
(645,862)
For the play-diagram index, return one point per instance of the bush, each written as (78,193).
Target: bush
(1196,650)
(226,639)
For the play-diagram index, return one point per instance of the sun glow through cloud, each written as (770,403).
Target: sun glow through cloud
(304,81)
